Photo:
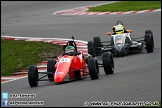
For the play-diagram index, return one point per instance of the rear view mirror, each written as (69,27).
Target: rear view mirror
(109,33)
(129,31)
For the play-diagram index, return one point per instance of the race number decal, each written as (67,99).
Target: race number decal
(64,60)
(119,41)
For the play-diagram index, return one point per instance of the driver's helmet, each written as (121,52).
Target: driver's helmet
(119,29)
(70,50)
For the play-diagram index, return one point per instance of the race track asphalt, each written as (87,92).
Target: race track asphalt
(137,77)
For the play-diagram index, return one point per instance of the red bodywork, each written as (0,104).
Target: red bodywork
(68,65)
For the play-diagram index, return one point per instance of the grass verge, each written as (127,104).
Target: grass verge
(18,55)
(127,6)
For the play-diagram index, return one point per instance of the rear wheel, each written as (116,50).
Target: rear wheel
(93,68)
(148,42)
(152,38)
(33,76)
(97,43)
(108,63)
(50,68)
(91,49)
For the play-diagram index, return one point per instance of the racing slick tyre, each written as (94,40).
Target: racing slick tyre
(148,42)
(108,63)
(50,68)
(33,76)
(152,38)
(97,43)
(91,49)
(93,68)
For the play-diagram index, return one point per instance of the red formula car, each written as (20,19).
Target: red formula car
(67,68)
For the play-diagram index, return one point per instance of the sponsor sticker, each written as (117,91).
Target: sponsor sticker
(64,60)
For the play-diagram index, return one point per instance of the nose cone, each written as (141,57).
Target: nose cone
(59,77)
(62,68)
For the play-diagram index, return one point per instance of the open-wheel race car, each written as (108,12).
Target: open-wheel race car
(121,44)
(68,67)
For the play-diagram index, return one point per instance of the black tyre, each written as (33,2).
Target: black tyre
(33,76)
(91,49)
(97,43)
(108,63)
(93,68)
(152,38)
(148,42)
(50,68)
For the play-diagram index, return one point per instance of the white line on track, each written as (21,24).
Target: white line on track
(13,79)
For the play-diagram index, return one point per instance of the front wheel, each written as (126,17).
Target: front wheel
(93,68)
(33,76)
(50,68)
(108,63)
